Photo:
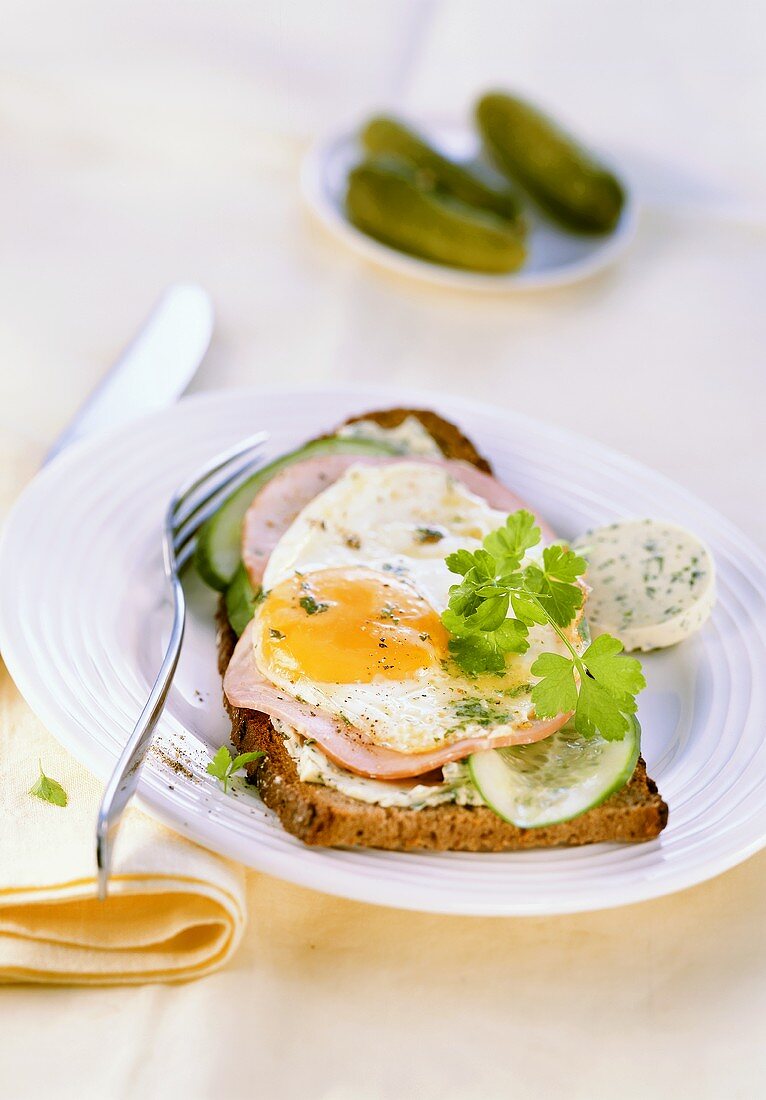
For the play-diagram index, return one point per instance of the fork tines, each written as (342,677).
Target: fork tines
(201,497)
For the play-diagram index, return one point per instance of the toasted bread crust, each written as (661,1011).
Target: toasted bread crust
(319,815)
(449,437)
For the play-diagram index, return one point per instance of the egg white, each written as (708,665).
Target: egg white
(402,518)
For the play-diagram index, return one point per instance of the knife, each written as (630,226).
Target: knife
(155,368)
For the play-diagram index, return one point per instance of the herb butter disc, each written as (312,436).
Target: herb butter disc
(652,583)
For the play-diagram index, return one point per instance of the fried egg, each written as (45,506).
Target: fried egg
(351,619)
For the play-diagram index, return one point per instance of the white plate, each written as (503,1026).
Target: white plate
(83,616)
(555,256)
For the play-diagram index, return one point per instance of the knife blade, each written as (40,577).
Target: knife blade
(155,368)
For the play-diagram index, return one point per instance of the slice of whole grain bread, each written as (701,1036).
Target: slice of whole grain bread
(320,815)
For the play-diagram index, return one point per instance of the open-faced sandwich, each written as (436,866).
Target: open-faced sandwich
(410,650)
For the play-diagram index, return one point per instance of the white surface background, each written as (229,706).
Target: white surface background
(154,141)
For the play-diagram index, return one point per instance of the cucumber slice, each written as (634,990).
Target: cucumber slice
(218,543)
(241,600)
(555,779)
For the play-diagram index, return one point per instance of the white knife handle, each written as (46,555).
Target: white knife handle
(154,369)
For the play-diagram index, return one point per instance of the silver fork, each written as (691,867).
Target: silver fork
(193,503)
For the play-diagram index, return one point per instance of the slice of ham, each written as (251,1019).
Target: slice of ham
(347,746)
(283,497)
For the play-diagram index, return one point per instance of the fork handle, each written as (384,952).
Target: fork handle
(124,780)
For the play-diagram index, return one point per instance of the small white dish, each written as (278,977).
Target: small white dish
(84,614)
(555,257)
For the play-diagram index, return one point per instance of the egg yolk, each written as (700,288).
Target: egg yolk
(348,626)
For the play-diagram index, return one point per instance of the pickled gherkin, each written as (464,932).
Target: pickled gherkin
(566,181)
(387,137)
(386,201)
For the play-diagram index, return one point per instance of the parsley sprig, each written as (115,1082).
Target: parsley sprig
(498,600)
(223,767)
(49,790)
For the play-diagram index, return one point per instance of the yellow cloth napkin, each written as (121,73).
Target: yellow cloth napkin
(175,910)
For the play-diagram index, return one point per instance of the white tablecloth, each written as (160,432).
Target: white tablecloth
(150,142)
